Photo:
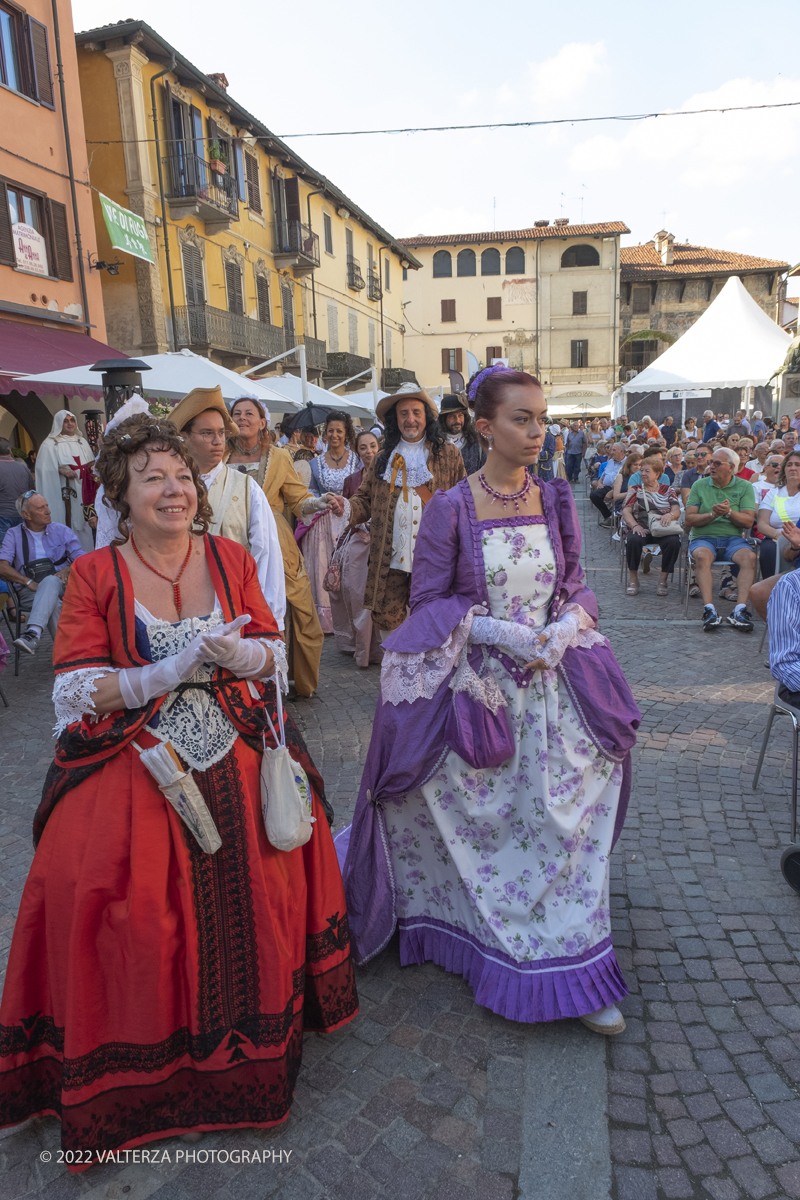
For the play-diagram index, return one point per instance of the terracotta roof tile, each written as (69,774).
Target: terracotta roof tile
(644,262)
(536,232)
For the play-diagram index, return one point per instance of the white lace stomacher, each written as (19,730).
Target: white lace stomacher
(73,696)
(193,721)
(419,676)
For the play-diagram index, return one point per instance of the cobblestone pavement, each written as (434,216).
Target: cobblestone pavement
(427,1095)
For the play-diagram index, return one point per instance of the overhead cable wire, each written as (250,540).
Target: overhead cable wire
(648,116)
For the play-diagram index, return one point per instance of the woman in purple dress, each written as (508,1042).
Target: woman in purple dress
(495,864)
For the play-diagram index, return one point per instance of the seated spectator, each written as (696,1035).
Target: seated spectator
(778,516)
(651,452)
(756,464)
(744,450)
(643,499)
(790,440)
(605,483)
(15,478)
(777,600)
(777,446)
(690,428)
(740,423)
(622,481)
(36,556)
(719,510)
(674,467)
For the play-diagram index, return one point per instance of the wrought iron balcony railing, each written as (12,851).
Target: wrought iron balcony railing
(294,238)
(355,279)
(191,177)
(206,327)
(374,291)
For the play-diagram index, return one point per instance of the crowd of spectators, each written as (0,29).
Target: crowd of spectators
(724,489)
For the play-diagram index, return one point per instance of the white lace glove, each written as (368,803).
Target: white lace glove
(138,685)
(557,638)
(314,504)
(224,646)
(520,641)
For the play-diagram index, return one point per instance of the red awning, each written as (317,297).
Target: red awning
(33,349)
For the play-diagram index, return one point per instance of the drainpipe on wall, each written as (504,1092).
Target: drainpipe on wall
(65,119)
(321,192)
(166,71)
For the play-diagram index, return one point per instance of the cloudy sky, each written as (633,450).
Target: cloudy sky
(729,181)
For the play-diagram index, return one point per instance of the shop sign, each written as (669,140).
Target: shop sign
(30,249)
(127,231)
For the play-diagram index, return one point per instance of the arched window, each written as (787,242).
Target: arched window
(465,263)
(442,265)
(580,256)
(515,261)
(490,262)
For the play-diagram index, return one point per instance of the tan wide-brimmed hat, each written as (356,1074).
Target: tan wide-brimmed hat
(199,401)
(407,391)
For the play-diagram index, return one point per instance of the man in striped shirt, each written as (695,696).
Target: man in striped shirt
(783,616)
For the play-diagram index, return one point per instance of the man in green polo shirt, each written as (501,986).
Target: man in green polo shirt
(720,508)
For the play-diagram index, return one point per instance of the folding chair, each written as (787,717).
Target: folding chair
(782,707)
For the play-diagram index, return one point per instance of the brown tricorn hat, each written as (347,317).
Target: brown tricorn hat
(198,401)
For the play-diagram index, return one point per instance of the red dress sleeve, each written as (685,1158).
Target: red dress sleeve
(82,638)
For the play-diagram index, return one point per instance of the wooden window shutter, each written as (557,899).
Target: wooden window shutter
(494,308)
(40,56)
(6,237)
(493,352)
(445,361)
(253,184)
(458,360)
(61,264)
(193,276)
(448,310)
(262,293)
(292,192)
(233,283)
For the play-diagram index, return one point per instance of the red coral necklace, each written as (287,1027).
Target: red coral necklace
(174,583)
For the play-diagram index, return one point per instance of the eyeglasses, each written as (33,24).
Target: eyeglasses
(209,435)
(27,495)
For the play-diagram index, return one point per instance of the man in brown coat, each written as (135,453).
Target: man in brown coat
(415,462)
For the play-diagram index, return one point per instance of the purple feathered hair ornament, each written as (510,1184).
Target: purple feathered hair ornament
(479,378)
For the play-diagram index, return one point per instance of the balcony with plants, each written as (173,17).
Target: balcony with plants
(202,187)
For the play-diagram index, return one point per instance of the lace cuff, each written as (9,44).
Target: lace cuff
(72,696)
(419,676)
(588,634)
(278,649)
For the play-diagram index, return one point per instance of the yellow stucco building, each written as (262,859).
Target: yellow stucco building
(545,298)
(254,251)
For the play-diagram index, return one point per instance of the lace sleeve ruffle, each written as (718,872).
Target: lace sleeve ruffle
(419,676)
(72,695)
(588,634)
(278,649)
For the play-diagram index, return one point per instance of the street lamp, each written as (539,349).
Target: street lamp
(121,378)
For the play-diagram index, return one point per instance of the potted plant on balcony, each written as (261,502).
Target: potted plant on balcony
(216,158)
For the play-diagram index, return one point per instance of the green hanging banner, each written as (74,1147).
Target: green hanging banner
(126,230)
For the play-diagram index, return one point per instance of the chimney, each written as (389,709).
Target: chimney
(219,79)
(664,243)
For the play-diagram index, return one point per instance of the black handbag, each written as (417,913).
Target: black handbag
(38,569)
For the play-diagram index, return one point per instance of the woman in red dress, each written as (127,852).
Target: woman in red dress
(153,988)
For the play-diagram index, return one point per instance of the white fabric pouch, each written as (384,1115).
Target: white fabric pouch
(285,792)
(183,794)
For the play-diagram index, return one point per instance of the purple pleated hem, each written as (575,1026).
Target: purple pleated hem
(547,990)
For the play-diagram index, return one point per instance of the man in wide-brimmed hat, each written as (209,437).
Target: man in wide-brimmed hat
(416,461)
(241,510)
(459,429)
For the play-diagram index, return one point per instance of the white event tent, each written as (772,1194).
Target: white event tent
(359,404)
(171,376)
(733,344)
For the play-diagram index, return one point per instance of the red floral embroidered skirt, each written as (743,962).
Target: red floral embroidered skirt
(153,989)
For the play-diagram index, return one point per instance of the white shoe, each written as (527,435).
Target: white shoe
(606,1020)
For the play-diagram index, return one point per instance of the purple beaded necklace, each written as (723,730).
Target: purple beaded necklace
(506,496)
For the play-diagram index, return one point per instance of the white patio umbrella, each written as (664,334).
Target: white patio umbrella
(171,376)
(290,386)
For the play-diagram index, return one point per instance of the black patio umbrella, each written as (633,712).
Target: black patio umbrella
(308,418)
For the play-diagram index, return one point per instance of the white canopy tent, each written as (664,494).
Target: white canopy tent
(171,376)
(733,344)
